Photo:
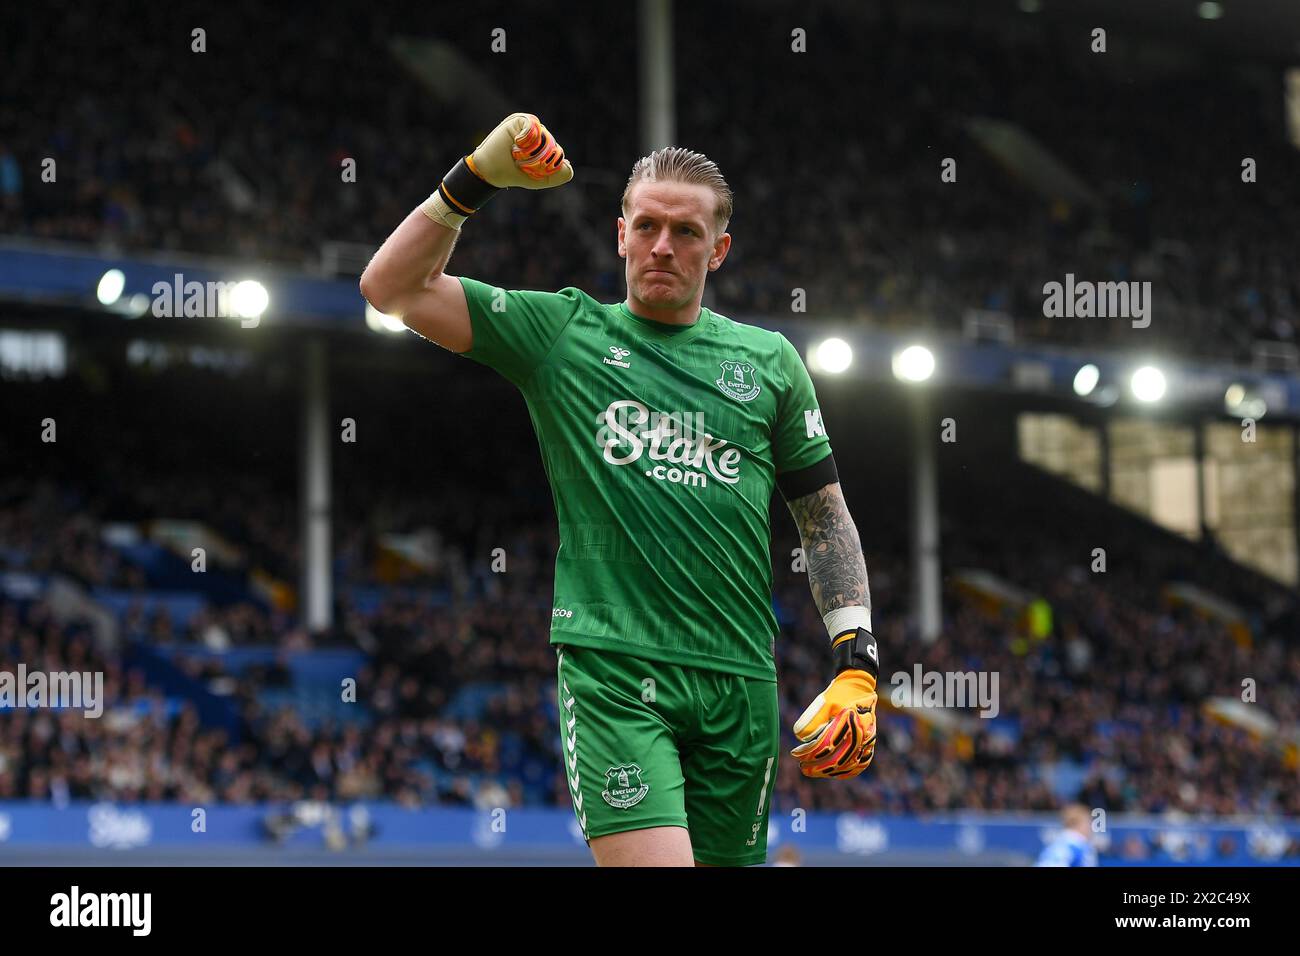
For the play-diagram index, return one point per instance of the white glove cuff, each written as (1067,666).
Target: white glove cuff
(847,619)
(437,209)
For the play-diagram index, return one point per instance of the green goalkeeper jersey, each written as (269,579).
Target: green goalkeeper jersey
(662,445)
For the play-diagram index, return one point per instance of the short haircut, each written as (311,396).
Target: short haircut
(679,165)
(1076,815)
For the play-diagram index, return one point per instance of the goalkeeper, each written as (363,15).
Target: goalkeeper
(663,429)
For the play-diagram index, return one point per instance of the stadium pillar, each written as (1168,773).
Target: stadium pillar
(316,602)
(655,36)
(1295,486)
(1198,446)
(1103,436)
(926,570)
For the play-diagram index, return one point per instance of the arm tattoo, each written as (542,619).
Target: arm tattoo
(837,572)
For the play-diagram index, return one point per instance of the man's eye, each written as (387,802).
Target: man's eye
(643,225)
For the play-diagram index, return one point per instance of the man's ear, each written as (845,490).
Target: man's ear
(622,240)
(721,246)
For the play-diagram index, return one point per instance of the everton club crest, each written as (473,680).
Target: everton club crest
(623,786)
(738,381)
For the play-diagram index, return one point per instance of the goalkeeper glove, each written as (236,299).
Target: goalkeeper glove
(838,729)
(519,152)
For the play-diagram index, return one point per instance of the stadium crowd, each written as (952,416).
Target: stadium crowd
(168,149)
(160,150)
(1116,690)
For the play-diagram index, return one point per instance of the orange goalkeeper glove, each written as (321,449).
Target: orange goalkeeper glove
(838,729)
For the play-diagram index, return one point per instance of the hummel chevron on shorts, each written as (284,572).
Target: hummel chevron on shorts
(651,744)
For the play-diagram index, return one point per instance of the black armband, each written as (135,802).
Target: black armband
(804,481)
(464,190)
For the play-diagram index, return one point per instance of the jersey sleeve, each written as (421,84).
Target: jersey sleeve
(1054,854)
(514,330)
(798,438)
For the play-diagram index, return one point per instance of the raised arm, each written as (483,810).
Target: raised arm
(407,277)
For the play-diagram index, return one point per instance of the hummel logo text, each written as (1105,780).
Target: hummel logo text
(619,355)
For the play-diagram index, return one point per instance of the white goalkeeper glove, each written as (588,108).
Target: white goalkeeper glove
(519,152)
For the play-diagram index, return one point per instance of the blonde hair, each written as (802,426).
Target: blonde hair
(678,165)
(1076,815)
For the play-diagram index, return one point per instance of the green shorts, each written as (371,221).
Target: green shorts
(649,744)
